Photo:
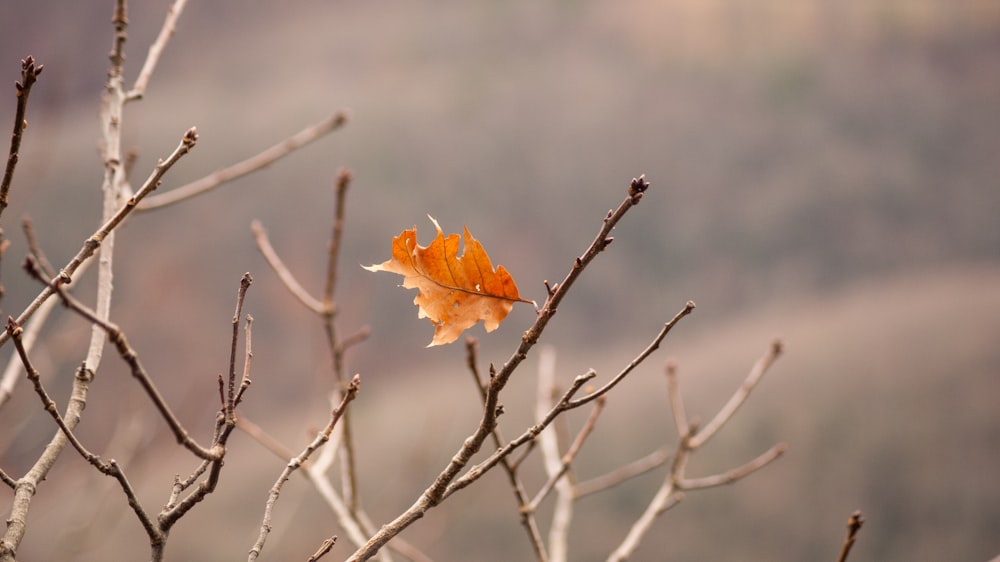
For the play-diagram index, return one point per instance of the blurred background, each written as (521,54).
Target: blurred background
(822,171)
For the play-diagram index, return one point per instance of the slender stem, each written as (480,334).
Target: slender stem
(740,396)
(29,74)
(296,462)
(252,164)
(91,245)
(156,49)
(853,526)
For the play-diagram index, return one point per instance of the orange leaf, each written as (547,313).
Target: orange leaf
(455,292)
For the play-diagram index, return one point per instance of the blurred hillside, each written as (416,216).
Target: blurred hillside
(803,158)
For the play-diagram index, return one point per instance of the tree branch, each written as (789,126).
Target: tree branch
(442,485)
(22,89)
(252,164)
(296,462)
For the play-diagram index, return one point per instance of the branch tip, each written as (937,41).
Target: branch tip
(637,188)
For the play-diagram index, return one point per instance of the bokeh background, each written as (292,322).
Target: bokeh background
(823,171)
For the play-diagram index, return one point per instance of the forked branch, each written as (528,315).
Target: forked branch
(443,484)
(22,89)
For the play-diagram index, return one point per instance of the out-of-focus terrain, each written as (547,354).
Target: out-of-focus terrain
(825,172)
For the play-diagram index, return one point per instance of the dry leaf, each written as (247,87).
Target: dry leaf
(455,292)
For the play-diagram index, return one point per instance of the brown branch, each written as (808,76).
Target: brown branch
(556,466)
(6,479)
(28,227)
(566,461)
(4,244)
(296,462)
(323,549)
(343,181)
(11,374)
(676,400)
(241,295)
(252,164)
(93,243)
(735,474)
(623,473)
(29,74)
(853,526)
(653,346)
(691,438)
(245,381)
(443,485)
(738,398)
(118,339)
(527,517)
(225,423)
(156,49)
(284,274)
(110,468)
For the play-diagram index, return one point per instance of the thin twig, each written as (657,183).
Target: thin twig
(566,460)
(653,346)
(853,526)
(245,380)
(29,74)
(691,438)
(12,373)
(279,267)
(735,474)
(676,400)
(4,244)
(623,473)
(527,517)
(740,396)
(6,479)
(323,549)
(110,468)
(241,294)
(118,339)
(28,227)
(252,164)
(333,254)
(91,245)
(296,462)
(156,49)
(225,423)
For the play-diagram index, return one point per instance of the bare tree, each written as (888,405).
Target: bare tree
(331,451)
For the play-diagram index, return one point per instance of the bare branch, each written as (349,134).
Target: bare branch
(91,245)
(241,294)
(28,227)
(296,462)
(443,485)
(323,549)
(853,526)
(623,473)
(528,520)
(29,74)
(286,276)
(735,474)
(653,346)
(664,499)
(156,49)
(245,380)
(117,337)
(252,164)
(727,411)
(343,181)
(676,400)
(6,479)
